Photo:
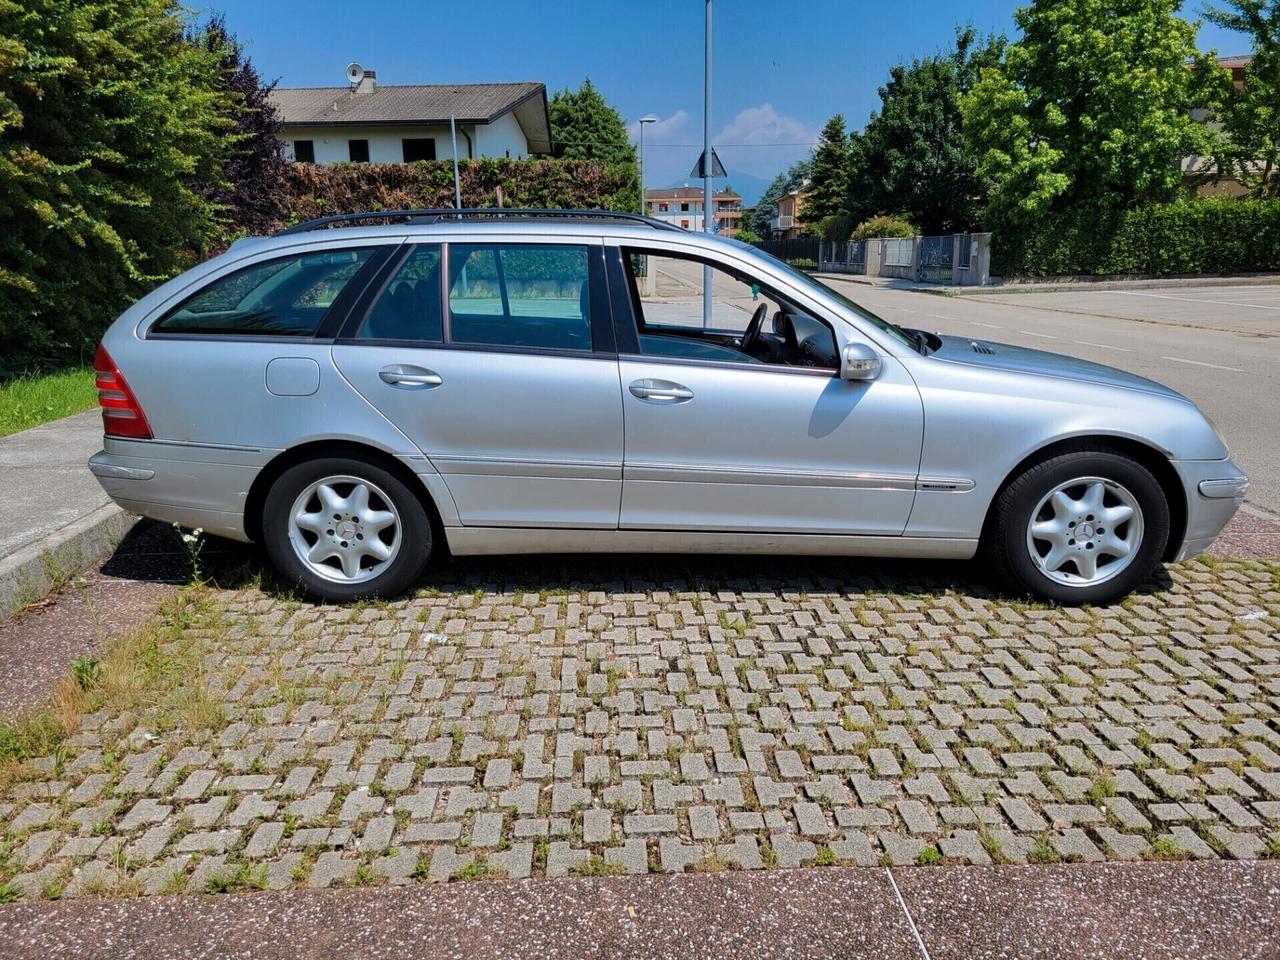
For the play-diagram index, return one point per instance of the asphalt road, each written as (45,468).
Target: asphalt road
(1220,346)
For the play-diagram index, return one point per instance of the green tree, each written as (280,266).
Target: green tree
(111,126)
(1090,107)
(829,173)
(913,156)
(1251,115)
(761,217)
(585,127)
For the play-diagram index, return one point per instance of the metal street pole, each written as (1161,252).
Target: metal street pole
(708,216)
(644,121)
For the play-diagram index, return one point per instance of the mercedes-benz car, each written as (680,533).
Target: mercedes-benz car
(359,392)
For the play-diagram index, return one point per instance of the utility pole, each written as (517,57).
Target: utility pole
(708,214)
(644,121)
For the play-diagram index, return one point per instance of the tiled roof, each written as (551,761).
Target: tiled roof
(418,103)
(683,193)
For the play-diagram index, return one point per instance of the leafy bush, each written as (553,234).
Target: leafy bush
(1191,236)
(112,127)
(316,190)
(803,263)
(836,228)
(885,225)
(747,236)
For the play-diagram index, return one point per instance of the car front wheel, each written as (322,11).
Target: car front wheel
(1081,527)
(344,529)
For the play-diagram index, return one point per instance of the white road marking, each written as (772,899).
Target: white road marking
(1104,346)
(1229,303)
(1201,363)
(1032,333)
(979,323)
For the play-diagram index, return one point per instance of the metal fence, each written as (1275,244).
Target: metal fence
(795,248)
(936,256)
(847,257)
(898,252)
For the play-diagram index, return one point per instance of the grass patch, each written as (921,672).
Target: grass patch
(153,673)
(929,857)
(31,400)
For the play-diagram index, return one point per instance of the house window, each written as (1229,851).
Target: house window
(662,207)
(685,224)
(304,151)
(684,208)
(358,151)
(418,148)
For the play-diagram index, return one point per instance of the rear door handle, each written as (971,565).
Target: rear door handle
(660,391)
(407,375)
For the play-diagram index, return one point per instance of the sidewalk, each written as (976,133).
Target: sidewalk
(1054,284)
(1158,910)
(58,518)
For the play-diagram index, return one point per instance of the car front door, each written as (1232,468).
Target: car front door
(769,440)
(486,356)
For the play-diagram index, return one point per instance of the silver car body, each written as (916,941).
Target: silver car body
(536,452)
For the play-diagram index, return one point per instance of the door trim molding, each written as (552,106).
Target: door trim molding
(473,541)
(776,476)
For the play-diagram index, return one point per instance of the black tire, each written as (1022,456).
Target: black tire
(407,562)
(1006,539)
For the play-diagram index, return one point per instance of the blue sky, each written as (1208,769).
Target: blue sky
(779,70)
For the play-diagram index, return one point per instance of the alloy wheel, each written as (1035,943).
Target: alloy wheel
(1085,531)
(345,529)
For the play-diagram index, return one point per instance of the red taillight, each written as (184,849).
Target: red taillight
(121,415)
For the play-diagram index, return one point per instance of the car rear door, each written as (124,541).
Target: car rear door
(497,360)
(713,444)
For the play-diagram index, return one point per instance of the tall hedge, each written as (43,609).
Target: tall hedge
(1192,236)
(111,126)
(315,190)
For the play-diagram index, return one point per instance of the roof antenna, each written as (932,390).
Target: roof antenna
(354,73)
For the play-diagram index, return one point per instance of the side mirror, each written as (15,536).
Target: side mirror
(859,362)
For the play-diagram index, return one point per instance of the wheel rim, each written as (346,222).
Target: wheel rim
(345,529)
(1085,531)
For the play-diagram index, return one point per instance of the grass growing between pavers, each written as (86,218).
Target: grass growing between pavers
(599,718)
(151,674)
(33,399)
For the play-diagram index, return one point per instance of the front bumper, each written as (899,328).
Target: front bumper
(1214,491)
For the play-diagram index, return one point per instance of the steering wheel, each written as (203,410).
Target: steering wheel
(752,336)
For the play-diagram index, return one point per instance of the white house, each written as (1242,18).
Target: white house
(367,122)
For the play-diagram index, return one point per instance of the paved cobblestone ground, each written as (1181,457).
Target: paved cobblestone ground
(604,716)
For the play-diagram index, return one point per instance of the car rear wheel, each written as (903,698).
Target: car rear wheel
(344,529)
(1081,527)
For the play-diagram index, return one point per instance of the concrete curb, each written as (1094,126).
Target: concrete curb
(1073,285)
(33,571)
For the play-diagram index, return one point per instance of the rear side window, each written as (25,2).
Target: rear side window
(286,297)
(409,307)
(519,295)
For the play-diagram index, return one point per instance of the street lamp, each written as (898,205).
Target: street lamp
(644,207)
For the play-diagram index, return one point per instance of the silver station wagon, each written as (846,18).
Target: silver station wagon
(361,391)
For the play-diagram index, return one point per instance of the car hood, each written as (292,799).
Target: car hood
(1004,356)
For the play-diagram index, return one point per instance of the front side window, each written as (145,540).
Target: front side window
(747,323)
(284,297)
(409,306)
(519,295)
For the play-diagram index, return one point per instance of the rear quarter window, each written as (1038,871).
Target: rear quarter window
(283,297)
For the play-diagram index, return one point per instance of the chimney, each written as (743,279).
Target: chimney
(368,82)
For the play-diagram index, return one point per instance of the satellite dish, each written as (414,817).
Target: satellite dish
(354,72)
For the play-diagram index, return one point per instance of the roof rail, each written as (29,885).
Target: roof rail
(439,215)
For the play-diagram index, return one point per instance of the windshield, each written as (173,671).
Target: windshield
(804,280)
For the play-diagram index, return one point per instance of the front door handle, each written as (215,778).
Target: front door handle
(407,375)
(660,391)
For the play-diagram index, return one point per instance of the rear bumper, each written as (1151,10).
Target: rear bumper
(1215,490)
(203,487)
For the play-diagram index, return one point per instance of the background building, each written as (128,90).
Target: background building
(682,206)
(399,124)
(790,217)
